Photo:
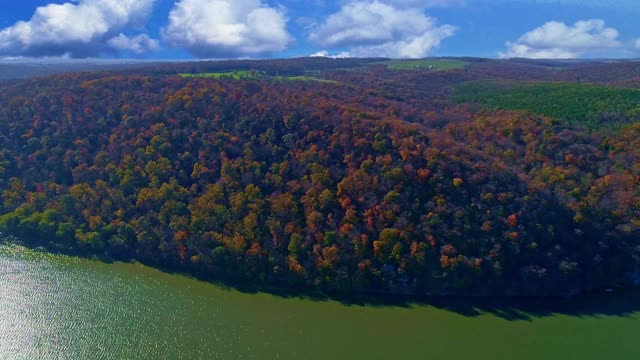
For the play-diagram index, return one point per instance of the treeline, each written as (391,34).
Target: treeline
(622,73)
(275,67)
(375,184)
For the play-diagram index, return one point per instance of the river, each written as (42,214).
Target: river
(60,307)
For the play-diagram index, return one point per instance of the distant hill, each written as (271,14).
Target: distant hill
(18,70)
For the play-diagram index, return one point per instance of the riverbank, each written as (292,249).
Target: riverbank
(509,307)
(57,306)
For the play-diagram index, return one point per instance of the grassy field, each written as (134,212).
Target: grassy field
(585,104)
(246,74)
(238,74)
(438,64)
(303,78)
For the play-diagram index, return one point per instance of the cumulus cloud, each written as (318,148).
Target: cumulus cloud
(375,28)
(138,44)
(325,53)
(557,40)
(227,28)
(80,29)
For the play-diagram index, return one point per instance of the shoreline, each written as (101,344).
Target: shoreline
(362,299)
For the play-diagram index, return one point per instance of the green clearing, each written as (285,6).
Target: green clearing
(595,106)
(303,78)
(249,74)
(237,75)
(438,64)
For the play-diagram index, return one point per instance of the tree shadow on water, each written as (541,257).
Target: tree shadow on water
(620,303)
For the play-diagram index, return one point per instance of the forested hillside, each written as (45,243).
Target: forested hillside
(373,180)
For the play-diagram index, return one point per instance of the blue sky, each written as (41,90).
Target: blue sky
(184,29)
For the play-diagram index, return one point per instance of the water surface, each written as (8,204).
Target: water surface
(58,307)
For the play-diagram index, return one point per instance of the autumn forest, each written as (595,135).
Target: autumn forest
(352,177)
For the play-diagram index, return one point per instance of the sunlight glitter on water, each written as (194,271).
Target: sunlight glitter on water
(28,306)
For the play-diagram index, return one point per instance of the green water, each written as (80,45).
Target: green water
(57,307)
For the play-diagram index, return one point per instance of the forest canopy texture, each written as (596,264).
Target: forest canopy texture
(352,177)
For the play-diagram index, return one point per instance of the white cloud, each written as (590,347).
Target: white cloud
(75,29)
(412,47)
(325,53)
(375,28)
(321,53)
(555,40)
(612,4)
(422,4)
(227,28)
(137,44)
